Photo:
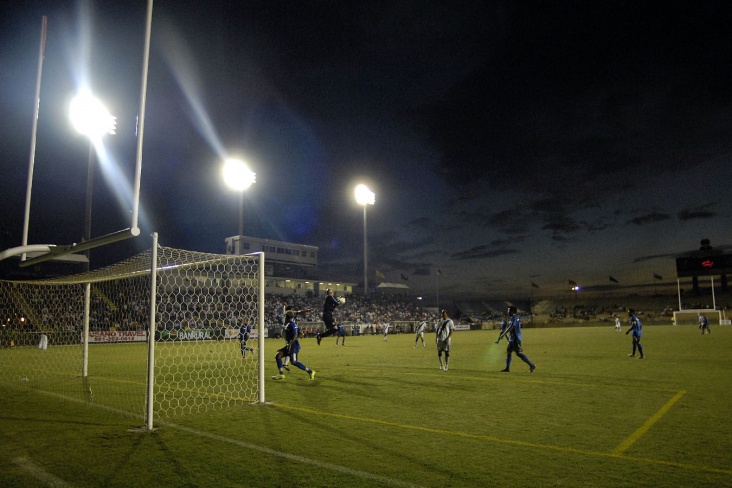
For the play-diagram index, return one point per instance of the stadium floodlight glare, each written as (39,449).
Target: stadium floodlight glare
(238,177)
(90,117)
(365,197)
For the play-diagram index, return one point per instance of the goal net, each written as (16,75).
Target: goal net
(691,316)
(88,337)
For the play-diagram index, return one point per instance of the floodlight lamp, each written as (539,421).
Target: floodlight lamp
(90,117)
(237,175)
(364,196)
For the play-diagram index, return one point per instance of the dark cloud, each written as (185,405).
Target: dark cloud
(650,218)
(483,252)
(701,212)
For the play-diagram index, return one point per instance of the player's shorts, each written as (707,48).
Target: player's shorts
(443,346)
(329,321)
(514,346)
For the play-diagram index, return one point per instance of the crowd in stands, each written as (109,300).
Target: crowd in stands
(357,309)
(125,306)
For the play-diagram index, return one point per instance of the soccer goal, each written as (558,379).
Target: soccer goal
(158,340)
(691,316)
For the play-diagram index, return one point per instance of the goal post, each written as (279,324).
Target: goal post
(691,316)
(155,334)
(203,300)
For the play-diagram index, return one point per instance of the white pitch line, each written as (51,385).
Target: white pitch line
(296,458)
(40,474)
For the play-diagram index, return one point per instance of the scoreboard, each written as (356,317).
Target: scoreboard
(703,265)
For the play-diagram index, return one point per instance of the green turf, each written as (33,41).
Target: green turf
(383,414)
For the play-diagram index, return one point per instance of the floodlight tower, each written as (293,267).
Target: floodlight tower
(365,197)
(238,177)
(90,118)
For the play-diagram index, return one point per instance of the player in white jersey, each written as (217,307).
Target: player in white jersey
(443,336)
(421,328)
(385,328)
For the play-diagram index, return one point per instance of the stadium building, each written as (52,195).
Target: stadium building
(289,268)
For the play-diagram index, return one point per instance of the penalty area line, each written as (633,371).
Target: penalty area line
(531,445)
(39,473)
(633,438)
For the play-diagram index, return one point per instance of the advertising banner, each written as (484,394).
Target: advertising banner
(117,336)
(191,334)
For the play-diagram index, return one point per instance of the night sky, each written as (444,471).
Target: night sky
(507,142)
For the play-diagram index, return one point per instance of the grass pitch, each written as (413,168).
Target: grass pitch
(381,413)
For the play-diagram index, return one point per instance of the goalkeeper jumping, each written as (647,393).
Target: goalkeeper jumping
(330,304)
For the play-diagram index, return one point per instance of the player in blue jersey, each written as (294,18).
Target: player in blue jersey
(292,345)
(330,304)
(341,334)
(244,332)
(637,329)
(513,332)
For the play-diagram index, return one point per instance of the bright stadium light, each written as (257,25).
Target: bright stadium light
(238,177)
(90,118)
(365,197)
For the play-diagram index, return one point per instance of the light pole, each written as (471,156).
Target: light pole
(576,290)
(238,177)
(365,197)
(92,119)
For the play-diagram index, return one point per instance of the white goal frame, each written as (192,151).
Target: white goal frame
(178,350)
(690,316)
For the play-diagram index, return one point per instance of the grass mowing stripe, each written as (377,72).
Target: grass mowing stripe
(541,381)
(40,474)
(296,458)
(665,408)
(633,438)
(291,457)
(657,462)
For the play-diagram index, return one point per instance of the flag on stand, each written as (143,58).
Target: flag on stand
(439,273)
(572,283)
(404,277)
(534,285)
(657,276)
(380,275)
(613,280)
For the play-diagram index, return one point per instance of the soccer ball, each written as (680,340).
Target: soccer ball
(342,300)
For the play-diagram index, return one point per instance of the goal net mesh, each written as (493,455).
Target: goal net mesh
(691,316)
(202,300)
